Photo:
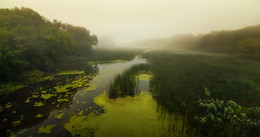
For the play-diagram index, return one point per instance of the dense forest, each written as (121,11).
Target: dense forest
(31,44)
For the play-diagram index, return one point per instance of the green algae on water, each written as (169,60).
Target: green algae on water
(35,96)
(47,96)
(27,100)
(8,105)
(44,91)
(21,131)
(16,123)
(70,72)
(39,115)
(91,87)
(145,77)
(38,104)
(60,89)
(12,134)
(46,129)
(129,116)
(51,77)
(59,116)
(62,100)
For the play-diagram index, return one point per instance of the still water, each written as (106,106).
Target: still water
(77,105)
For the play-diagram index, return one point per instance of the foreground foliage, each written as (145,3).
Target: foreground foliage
(212,116)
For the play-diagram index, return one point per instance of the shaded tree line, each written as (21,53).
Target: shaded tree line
(30,44)
(244,42)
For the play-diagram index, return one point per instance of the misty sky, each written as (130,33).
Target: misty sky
(131,20)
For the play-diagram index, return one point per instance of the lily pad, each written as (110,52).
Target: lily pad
(62,100)
(27,100)
(59,116)
(61,89)
(46,129)
(16,123)
(39,115)
(8,105)
(47,96)
(38,104)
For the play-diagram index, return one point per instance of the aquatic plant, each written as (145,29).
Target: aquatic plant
(178,80)
(46,129)
(60,115)
(128,117)
(219,118)
(125,84)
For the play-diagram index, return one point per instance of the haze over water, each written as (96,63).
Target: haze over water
(126,21)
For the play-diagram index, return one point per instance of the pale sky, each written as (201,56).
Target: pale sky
(131,20)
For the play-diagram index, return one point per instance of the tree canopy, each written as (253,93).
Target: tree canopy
(29,41)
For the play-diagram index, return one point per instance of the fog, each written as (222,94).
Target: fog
(125,21)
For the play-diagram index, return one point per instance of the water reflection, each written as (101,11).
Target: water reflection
(41,108)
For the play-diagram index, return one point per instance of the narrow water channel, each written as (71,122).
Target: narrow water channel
(77,105)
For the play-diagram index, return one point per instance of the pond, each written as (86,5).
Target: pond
(76,104)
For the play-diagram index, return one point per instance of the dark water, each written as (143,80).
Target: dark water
(43,108)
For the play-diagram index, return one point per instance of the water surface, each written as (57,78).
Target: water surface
(44,108)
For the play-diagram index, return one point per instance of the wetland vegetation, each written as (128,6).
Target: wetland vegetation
(55,82)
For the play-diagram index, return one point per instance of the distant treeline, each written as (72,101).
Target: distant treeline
(244,42)
(30,44)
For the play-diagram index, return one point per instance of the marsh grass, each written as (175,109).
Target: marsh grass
(126,84)
(179,81)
